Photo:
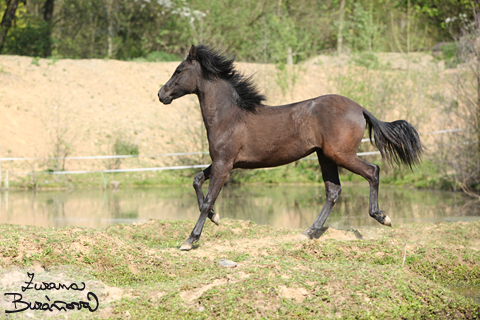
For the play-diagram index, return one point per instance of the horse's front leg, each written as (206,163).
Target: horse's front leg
(198,181)
(219,171)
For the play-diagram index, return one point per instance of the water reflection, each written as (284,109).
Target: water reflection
(281,206)
(471,291)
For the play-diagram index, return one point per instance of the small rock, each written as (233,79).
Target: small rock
(227,263)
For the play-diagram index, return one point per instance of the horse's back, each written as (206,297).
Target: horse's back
(279,135)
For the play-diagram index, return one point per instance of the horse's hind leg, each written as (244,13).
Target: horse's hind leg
(371,173)
(333,191)
(198,181)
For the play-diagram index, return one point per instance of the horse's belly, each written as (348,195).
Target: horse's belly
(271,157)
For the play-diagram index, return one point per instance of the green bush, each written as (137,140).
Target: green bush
(30,41)
(366,59)
(159,56)
(450,54)
(123,147)
(449,50)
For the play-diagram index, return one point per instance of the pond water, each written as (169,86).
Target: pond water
(279,206)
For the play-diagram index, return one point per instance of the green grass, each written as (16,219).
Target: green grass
(276,277)
(425,176)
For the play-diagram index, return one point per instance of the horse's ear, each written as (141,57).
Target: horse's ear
(192,55)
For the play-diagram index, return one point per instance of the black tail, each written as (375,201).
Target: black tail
(397,141)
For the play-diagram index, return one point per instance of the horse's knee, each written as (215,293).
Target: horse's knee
(333,191)
(198,180)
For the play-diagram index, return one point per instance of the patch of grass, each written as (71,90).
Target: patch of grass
(450,53)
(159,56)
(425,176)
(366,59)
(276,275)
(443,265)
(35,61)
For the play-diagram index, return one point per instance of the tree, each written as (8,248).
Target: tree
(435,12)
(340,27)
(48,17)
(48,10)
(464,111)
(7,19)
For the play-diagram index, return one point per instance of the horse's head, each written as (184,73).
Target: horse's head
(183,80)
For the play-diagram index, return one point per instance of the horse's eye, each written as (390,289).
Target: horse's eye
(178,71)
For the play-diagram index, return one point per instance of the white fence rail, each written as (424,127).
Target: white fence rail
(128,170)
(108,157)
(152,156)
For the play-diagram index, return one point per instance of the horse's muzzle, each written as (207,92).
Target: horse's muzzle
(165,99)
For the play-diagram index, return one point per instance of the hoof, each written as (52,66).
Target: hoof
(387,221)
(186,246)
(381,218)
(312,233)
(215,218)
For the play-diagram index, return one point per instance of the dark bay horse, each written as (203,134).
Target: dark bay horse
(244,133)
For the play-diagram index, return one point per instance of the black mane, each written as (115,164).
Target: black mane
(217,66)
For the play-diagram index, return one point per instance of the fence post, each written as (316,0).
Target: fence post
(6,180)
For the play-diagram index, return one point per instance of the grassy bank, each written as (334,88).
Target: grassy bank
(426,176)
(137,271)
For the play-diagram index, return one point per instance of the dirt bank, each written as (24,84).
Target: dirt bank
(137,271)
(86,105)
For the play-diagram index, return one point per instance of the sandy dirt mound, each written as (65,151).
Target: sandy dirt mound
(100,100)
(94,102)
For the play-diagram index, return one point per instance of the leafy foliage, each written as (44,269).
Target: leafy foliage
(270,31)
(30,40)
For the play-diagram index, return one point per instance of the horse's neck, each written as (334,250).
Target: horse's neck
(216,104)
